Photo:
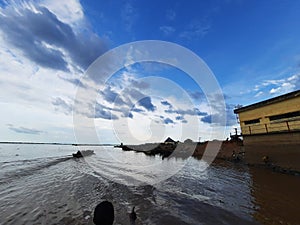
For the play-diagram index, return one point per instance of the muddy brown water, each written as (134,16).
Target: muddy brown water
(43,185)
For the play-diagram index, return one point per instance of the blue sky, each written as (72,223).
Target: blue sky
(252,48)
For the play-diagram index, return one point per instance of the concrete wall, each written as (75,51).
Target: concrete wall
(282,149)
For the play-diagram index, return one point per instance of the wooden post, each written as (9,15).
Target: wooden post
(288,126)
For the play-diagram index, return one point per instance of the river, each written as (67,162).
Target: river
(43,184)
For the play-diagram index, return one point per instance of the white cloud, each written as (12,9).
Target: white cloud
(275,87)
(27,88)
(70,12)
(38,93)
(195,30)
(170,15)
(143,125)
(46,40)
(283,88)
(167,30)
(129,15)
(279,86)
(259,94)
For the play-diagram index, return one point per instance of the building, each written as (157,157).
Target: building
(170,141)
(280,114)
(271,129)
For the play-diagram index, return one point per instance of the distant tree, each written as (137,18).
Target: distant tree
(238,106)
(188,141)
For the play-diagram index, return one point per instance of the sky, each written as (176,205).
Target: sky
(49,52)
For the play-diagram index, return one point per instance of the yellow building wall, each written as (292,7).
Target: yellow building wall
(263,112)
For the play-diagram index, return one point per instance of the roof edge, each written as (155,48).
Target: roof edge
(268,101)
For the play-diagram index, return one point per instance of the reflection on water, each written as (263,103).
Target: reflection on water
(57,189)
(137,168)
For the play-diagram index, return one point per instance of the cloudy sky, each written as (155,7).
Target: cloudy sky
(46,47)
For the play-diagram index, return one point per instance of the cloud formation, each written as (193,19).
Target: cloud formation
(47,41)
(102,112)
(166,103)
(167,30)
(111,96)
(170,15)
(218,117)
(129,15)
(168,121)
(278,86)
(287,85)
(195,30)
(75,81)
(190,112)
(147,104)
(24,130)
(197,95)
(61,105)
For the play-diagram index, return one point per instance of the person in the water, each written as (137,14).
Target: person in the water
(104,214)
(132,217)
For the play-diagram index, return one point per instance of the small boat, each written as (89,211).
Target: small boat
(80,154)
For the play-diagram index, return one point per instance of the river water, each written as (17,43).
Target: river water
(43,184)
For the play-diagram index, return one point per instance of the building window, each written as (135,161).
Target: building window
(285,116)
(247,122)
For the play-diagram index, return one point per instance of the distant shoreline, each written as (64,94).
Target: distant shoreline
(231,150)
(52,143)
